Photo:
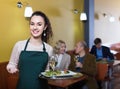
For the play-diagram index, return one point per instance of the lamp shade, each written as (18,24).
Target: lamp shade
(83,17)
(112,19)
(28,11)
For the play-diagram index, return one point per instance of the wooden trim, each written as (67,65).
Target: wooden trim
(3,75)
(7,80)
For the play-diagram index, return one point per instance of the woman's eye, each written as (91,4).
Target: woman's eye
(31,23)
(39,24)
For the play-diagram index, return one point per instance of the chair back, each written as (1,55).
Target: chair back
(72,63)
(102,69)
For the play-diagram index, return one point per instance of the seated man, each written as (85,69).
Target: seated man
(85,64)
(101,52)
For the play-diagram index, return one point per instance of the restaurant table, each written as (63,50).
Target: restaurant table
(105,61)
(108,62)
(63,82)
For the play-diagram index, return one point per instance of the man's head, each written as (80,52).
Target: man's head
(97,42)
(80,47)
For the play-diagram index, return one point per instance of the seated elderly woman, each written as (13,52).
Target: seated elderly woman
(63,59)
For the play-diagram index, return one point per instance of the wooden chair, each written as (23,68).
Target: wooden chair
(102,70)
(102,74)
(117,56)
(72,64)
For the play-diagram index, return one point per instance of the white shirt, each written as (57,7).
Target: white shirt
(59,57)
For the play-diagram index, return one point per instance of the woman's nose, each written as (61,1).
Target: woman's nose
(35,27)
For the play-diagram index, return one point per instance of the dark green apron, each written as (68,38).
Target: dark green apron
(31,64)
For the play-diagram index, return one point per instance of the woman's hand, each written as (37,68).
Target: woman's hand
(79,64)
(11,69)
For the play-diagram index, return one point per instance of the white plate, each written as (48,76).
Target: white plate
(71,73)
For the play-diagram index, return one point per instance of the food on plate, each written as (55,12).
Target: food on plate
(58,73)
(51,73)
(66,71)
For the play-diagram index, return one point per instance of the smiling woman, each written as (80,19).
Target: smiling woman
(40,27)
(63,59)
(32,54)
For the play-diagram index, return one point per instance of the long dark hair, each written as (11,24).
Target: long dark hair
(48,30)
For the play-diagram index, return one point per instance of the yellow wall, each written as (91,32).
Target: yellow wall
(66,25)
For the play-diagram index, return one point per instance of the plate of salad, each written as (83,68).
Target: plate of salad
(58,73)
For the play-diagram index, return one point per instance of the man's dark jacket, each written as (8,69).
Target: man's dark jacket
(105,50)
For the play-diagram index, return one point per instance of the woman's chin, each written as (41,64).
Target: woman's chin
(36,37)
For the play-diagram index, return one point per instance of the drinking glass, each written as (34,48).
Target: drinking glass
(53,62)
(76,58)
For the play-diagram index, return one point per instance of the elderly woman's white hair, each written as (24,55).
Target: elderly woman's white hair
(58,46)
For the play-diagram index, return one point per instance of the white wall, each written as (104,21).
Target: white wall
(108,31)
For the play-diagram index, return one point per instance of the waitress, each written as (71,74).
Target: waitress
(30,57)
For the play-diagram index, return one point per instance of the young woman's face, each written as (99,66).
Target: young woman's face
(37,26)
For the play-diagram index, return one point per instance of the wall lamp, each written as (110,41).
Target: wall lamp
(19,4)
(110,17)
(83,15)
(28,9)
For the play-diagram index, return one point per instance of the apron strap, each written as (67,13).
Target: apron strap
(26,44)
(44,49)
